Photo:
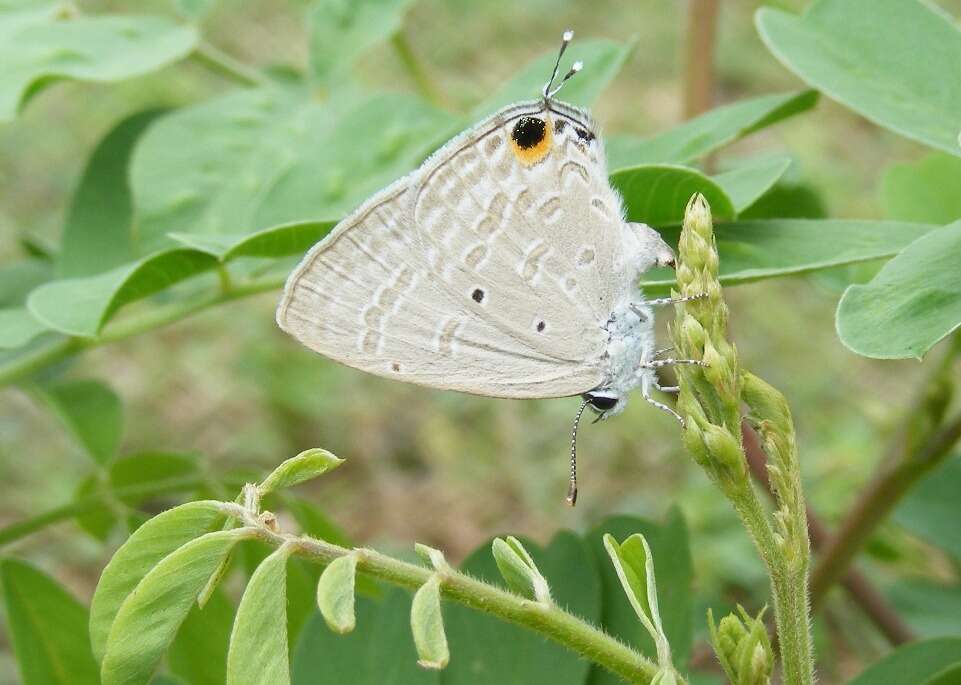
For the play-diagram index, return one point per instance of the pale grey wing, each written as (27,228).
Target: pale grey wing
(363,296)
(529,248)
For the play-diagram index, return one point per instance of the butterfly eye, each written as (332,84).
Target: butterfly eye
(601,403)
(531,139)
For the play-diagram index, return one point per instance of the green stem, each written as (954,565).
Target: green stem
(414,67)
(24,365)
(225,65)
(788,588)
(566,629)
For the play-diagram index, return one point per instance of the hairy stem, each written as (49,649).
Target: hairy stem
(858,587)
(24,365)
(566,629)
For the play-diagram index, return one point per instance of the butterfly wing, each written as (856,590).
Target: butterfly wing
(475,273)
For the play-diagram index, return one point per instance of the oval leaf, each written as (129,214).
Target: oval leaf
(277,241)
(913,302)
(335,594)
(305,466)
(152,614)
(708,132)
(48,628)
(913,663)
(657,194)
(771,248)
(519,570)
(143,550)
(427,625)
(258,643)
(342,32)
(749,180)
(82,306)
(870,61)
(97,234)
(43,42)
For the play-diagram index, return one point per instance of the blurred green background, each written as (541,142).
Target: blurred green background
(446,469)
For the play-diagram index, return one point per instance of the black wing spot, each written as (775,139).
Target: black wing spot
(528,132)
(541,326)
(477,295)
(584,135)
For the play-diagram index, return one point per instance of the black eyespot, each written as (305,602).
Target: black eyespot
(528,132)
(540,326)
(477,295)
(601,402)
(584,135)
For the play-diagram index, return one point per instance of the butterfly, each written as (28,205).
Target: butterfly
(503,266)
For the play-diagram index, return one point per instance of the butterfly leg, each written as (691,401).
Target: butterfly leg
(658,363)
(667,388)
(646,393)
(662,301)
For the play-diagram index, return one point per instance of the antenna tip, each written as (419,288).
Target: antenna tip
(572,494)
(577,66)
(568,36)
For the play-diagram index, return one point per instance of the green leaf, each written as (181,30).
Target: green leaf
(199,652)
(930,608)
(47,628)
(82,306)
(343,31)
(335,594)
(787,200)
(635,569)
(98,521)
(754,250)
(913,302)
(277,241)
(92,412)
(870,62)
(307,465)
(142,551)
(949,676)
(932,509)
(18,327)
(45,42)
(263,157)
(152,614)
(602,59)
(913,663)
(258,643)
(486,650)
(144,468)
(519,570)
(708,132)
(657,194)
(749,181)
(97,235)
(427,626)
(672,565)
(379,652)
(928,191)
